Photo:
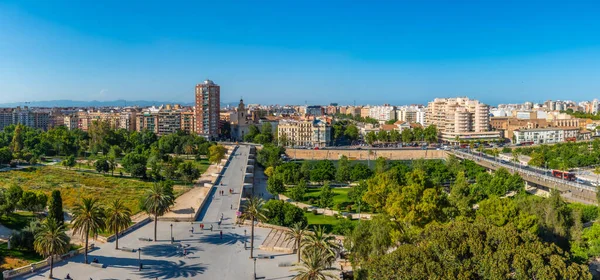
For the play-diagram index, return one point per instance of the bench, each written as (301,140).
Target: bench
(144,239)
(285,264)
(262,256)
(97,265)
(127,249)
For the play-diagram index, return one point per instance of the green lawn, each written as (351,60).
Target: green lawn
(326,221)
(17,220)
(10,259)
(74,185)
(340,196)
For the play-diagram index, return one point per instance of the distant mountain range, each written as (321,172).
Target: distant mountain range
(95,103)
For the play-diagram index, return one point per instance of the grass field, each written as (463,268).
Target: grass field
(10,259)
(74,185)
(17,220)
(326,221)
(339,194)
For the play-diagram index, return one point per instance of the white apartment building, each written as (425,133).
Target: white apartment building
(545,135)
(316,133)
(411,114)
(383,113)
(460,118)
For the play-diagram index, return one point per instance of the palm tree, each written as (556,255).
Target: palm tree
(495,153)
(297,234)
(118,218)
(253,210)
(313,266)
(516,154)
(51,240)
(88,217)
(159,200)
(322,242)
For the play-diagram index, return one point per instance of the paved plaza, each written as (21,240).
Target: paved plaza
(209,256)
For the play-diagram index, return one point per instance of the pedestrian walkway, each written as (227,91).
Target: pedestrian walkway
(323,211)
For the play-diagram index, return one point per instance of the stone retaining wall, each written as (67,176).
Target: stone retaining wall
(365,154)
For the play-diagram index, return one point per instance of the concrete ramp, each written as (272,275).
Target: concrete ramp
(276,242)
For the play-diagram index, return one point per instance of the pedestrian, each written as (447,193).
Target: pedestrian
(244,232)
(192,229)
(231,207)
(221,234)
(184,253)
(211,227)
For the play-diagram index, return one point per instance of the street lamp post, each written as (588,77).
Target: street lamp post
(140,259)
(254,268)
(171,233)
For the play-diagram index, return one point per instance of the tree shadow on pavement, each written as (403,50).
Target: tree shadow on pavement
(167,250)
(228,238)
(175,269)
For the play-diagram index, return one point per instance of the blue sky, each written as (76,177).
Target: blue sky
(284,52)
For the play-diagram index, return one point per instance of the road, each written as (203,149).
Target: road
(532,170)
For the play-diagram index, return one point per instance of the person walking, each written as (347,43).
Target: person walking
(221,234)
(211,227)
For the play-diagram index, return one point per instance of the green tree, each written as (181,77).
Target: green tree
(189,172)
(298,191)
(5,155)
(135,164)
(371,137)
(381,165)
(13,195)
(460,195)
(351,132)
(51,240)
(55,208)
(158,200)
(118,218)
(102,165)
(395,136)
(326,196)
(343,170)
(88,218)
(17,140)
(407,136)
(253,210)
(216,154)
(275,185)
(68,162)
(462,250)
(324,170)
(382,136)
(279,212)
(430,134)
(360,172)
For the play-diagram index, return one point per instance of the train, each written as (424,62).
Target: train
(566,175)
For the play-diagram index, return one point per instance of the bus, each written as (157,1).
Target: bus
(566,175)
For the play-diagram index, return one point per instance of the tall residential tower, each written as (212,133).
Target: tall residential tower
(208,105)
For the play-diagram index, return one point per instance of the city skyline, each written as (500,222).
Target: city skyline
(63,50)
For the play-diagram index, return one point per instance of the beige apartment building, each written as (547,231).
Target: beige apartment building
(308,133)
(460,119)
(208,107)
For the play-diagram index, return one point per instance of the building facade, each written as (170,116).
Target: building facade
(207,109)
(460,119)
(545,135)
(308,133)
